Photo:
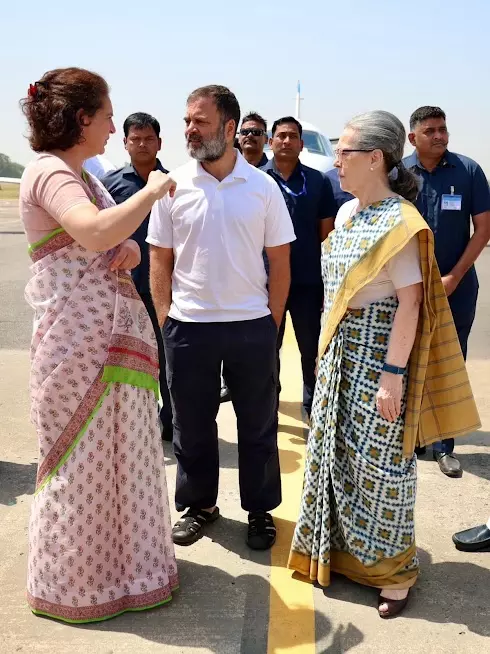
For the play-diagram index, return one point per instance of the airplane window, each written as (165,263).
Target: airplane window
(313,143)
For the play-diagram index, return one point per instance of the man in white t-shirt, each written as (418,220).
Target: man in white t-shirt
(209,287)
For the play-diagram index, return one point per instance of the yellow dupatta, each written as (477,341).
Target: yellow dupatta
(440,401)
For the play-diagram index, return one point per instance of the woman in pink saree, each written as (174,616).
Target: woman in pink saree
(99,534)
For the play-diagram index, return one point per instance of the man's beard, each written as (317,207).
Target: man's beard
(210,150)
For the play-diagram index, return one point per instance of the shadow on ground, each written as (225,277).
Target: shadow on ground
(16,479)
(473,463)
(447,592)
(224,615)
(291,409)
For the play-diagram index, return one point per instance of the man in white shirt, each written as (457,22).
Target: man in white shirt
(209,287)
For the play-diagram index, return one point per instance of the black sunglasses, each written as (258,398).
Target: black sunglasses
(253,132)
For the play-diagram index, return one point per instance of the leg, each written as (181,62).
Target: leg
(166,410)
(250,370)
(193,352)
(305,306)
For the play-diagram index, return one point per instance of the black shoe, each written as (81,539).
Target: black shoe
(420,451)
(261,530)
(187,529)
(448,464)
(476,539)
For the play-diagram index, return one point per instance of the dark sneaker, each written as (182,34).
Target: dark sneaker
(188,528)
(261,530)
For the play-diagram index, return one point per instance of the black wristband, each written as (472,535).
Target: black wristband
(394,370)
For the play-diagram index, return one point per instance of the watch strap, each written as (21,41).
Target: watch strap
(394,370)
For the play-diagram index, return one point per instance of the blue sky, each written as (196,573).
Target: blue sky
(350,56)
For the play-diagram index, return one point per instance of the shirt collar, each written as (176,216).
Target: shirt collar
(271,165)
(131,170)
(241,169)
(447,160)
(264,161)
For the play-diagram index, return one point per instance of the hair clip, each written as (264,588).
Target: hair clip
(32,91)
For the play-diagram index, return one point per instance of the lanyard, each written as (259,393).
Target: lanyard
(286,188)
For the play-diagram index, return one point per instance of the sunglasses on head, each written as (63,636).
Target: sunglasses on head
(252,131)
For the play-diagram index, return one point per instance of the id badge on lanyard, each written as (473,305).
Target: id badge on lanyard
(451,202)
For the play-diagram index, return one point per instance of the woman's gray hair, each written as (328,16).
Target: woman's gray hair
(380,130)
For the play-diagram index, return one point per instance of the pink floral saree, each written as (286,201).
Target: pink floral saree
(99,534)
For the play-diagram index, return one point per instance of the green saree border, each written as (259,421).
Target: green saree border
(121,375)
(75,441)
(42,241)
(107,617)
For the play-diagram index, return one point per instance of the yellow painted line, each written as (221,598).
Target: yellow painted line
(291,609)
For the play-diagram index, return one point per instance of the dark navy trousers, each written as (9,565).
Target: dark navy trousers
(195,353)
(305,308)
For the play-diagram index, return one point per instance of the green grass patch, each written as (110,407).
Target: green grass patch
(9,191)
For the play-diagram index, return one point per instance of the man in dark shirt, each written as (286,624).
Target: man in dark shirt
(311,205)
(340,196)
(142,142)
(252,139)
(454,192)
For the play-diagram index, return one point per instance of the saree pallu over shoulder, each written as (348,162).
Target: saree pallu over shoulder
(440,401)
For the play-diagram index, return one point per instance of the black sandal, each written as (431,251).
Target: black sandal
(188,528)
(261,530)
(393,607)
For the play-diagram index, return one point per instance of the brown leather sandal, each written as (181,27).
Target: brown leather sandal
(394,606)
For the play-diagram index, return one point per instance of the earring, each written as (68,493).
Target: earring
(371,169)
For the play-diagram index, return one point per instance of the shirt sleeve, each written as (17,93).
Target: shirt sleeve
(480,192)
(404,268)
(278,225)
(160,227)
(57,191)
(328,206)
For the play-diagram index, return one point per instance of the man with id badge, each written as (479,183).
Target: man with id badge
(454,192)
(309,198)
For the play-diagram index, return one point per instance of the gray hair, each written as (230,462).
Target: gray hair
(380,130)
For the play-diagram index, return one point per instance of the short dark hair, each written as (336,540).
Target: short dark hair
(286,120)
(424,113)
(140,120)
(53,103)
(253,115)
(224,99)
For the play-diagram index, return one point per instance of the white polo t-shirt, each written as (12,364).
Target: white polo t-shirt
(218,231)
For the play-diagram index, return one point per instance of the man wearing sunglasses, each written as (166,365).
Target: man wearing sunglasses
(309,198)
(252,139)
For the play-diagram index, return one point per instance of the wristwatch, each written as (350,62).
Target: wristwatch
(394,370)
